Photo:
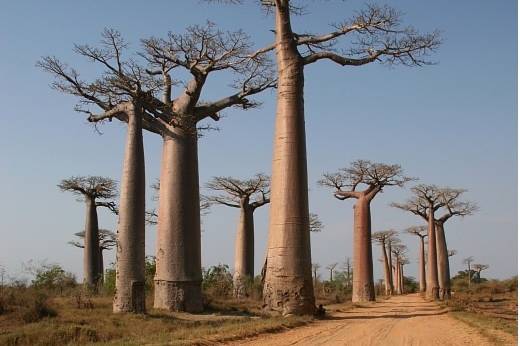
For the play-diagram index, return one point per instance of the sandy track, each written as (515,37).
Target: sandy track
(401,320)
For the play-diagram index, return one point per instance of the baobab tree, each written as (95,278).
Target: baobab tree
(202,51)
(390,242)
(95,191)
(427,200)
(347,183)
(421,232)
(126,92)
(404,261)
(247,195)
(467,261)
(398,251)
(347,267)
(107,240)
(375,35)
(383,238)
(478,268)
(331,268)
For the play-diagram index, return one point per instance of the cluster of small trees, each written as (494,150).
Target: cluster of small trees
(137,90)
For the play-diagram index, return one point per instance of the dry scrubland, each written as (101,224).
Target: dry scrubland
(66,315)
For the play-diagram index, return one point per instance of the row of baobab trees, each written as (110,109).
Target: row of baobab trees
(248,195)
(147,91)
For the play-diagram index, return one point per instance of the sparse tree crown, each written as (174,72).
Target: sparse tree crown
(374,176)
(95,187)
(234,192)
(107,239)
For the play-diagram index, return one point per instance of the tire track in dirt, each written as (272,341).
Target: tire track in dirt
(400,320)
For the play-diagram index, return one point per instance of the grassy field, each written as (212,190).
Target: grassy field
(94,322)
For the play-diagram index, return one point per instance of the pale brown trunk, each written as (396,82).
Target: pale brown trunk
(390,270)
(388,274)
(130,296)
(397,277)
(363,277)
(101,267)
(422,271)
(432,282)
(401,278)
(244,252)
(443,263)
(178,275)
(91,245)
(288,283)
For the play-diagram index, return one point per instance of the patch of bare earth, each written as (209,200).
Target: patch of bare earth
(400,320)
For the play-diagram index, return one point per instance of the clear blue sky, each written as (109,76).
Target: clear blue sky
(453,124)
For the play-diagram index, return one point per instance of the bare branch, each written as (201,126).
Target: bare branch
(234,192)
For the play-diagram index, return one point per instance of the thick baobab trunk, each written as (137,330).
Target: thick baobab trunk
(432,282)
(178,275)
(388,273)
(363,277)
(101,267)
(288,283)
(397,277)
(422,271)
(443,263)
(130,296)
(401,278)
(244,251)
(390,270)
(91,245)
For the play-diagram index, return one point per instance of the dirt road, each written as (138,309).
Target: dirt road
(401,320)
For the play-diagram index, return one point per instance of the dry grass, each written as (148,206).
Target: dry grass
(490,327)
(96,324)
(493,312)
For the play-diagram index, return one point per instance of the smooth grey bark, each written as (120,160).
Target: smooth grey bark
(91,245)
(390,269)
(288,283)
(422,270)
(363,276)
(443,262)
(101,266)
(178,275)
(244,250)
(130,254)
(432,282)
(387,270)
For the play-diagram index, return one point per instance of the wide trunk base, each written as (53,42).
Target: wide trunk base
(130,298)
(240,286)
(178,296)
(444,293)
(433,293)
(295,297)
(364,293)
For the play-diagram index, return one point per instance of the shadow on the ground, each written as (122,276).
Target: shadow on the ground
(404,316)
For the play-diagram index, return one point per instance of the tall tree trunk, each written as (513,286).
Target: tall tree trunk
(422,270)
(363,278)
(288,284)
(91,245)
(178,275)
(443,263)
(397,277)
(401,278)
(390,270)
(130,296)
(101,267)
(244,252)
(432,282)
(388,274)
